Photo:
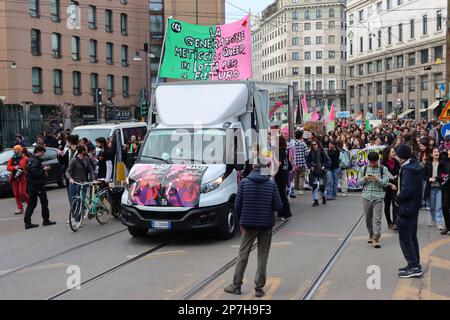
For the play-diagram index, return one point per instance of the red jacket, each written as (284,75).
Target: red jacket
(11,167)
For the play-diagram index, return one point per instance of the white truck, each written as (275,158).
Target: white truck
(190,164)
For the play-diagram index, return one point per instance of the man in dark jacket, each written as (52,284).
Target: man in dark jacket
(409,202)
(35,174)
(256,201)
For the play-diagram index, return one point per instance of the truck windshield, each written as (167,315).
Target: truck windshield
(92,134)
(186,146)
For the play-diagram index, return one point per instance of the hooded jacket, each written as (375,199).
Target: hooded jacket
(256,201)
(409,198)
(35,174)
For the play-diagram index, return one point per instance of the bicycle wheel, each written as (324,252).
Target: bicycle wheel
(103,207)
(76,214)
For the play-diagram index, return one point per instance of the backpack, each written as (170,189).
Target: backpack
(27,167)
(381,172)
(345,163)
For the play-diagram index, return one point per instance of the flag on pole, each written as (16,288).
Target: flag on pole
(305,114)
(315,116)
(326,114)
(332,112)
(368,126)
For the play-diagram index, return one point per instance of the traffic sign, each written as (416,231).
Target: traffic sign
(445,130)
(445,114)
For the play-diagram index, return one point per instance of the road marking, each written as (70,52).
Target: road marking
(439,263)
(160,254)
(428,295)
(45,267)
(15,218)
(405,291)
(274,284)
(213,289)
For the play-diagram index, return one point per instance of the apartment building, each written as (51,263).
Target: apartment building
(396,57)
(302,42)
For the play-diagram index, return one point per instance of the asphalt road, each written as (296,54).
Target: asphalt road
(114,265)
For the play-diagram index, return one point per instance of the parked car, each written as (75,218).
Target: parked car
(55,175)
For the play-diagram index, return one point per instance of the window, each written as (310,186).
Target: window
(110,85)
(411,28)
(350,19)
(36,79)
(411,84)
(109,53)
(307,41)
(307,70)
(390,35)
(318,54)
(308,85)
(399,2)
(34,8)
(57,81)
(295,71)
(411,59)
(379,65)
(352,71)
(318,70)
(370,41)
(424,82)
(295,15)
(331,40)
(389,86)
(399,61)
(351,47)
(307,55)
(307,16)
(331,24)
(360,69)
(370,68)
(400,85)
(331,69)
(295,86)
(92,17)
(295,27)
(369,89)
(294,55)
(308,26)
(318,25)
(75,48)
(361,44)
(379,38)
(295,41)
(108,20)
(424,56)
(331,13)
(123,1)
(352,92)
(156,5)
(378,9)
(360,91)
(35,42)
(438,53)
(379,88)
(124,56)
(424,24)
(389,65)
(123,24)
(125,86)
(319,85)
(93,51)
(55,15)
(361,15)
(76,78)
(94,82)
(56,45)
(331,85)
(331,54)
(400,32)
(439,20)
(369,11)
(388,4)
(318,13)
(318,40)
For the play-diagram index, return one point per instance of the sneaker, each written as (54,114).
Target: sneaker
(324,200)
(394,227)
(233,289)
(48,223)
(292,195)
(407,267)
(376,243)
(444,231)
(370,239)
(440,227)
(18,212)
(283,219)
(410,273)
(316,203)
(300,193)
(31,225)
(259,293)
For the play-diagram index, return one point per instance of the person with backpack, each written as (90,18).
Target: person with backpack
(65,157)
(281,177)
(80,170)
(300,153)
(36,174)
(344,165)
(393,166)
(318,162)
(334,172)
(17,165)
(374,178)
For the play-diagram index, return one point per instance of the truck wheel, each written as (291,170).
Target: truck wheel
(228,230)
(137,232)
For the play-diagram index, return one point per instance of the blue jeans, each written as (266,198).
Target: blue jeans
(74,190)
(435,202)
(317,184)
(332,184)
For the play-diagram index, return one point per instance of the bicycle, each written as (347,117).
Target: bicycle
(98,204)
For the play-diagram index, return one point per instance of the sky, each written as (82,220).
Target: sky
(255,6)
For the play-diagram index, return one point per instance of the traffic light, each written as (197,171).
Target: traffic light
(98,97)
(144,107)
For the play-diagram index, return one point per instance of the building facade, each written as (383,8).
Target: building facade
(302,42)
(396,57)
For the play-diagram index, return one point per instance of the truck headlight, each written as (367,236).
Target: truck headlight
(213,185)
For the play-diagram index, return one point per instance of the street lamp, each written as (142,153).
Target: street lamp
(137,58)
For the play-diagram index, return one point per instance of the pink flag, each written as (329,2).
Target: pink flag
(277,106)
(344,123)
(304,106)
(332,112)
(315,116)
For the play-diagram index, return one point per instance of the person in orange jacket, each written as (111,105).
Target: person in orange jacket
(16,165)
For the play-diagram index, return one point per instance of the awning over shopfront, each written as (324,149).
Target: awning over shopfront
(403,114)
(390,115)
(433,106)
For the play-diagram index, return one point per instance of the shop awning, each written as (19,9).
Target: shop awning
(390,115)
(434,105)
(403,114)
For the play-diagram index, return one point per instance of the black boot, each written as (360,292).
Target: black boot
(324,200)
(48,223)
(316,203)
(31,225)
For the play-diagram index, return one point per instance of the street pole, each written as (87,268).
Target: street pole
(196,11)
(447,69)
(146,74)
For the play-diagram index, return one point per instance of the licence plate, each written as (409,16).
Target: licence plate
(162,225)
